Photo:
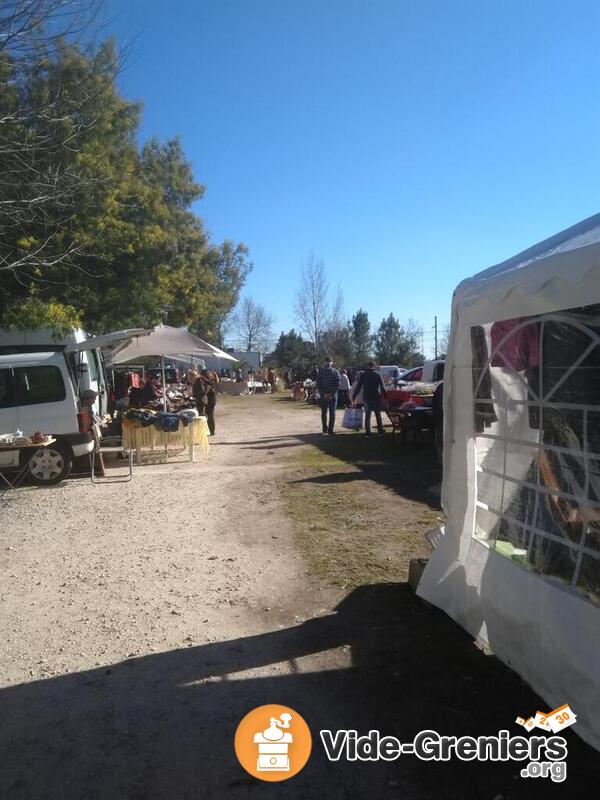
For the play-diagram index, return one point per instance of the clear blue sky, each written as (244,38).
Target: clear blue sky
(409,144)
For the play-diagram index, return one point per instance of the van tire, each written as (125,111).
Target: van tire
(51,464)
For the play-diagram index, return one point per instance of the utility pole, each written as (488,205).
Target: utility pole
(435,337)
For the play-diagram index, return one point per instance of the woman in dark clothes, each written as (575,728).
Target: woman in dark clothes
(205,395)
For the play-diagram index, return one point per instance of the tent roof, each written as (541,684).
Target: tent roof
(568,255)
(166,341)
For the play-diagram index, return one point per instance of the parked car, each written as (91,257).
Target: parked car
(411,376)
(391,374)
(430,372)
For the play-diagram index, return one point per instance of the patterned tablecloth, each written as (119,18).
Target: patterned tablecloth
(136,437)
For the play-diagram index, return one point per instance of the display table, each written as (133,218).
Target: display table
(258,386)
(20,476)
(136,437)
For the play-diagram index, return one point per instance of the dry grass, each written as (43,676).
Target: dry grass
(353,522)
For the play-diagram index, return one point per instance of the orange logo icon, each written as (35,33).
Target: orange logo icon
(273,743)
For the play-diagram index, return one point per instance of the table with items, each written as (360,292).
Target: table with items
(146,429)
(27,445)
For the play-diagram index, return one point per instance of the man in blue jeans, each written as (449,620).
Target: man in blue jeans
(373,391)
(328,384)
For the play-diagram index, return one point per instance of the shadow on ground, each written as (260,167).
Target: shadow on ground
(162,726)
(408,469)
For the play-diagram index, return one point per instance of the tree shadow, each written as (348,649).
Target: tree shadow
(409,470)
(161,726)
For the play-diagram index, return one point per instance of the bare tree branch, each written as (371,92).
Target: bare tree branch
(311,303)
(254,326)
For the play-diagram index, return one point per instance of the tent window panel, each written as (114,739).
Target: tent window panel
(521,461)
(519,503)
(486,523)
(591,539)
(553,559)
(540,473)
(593,465)
(512,541)
(564,473)
(490,454)
(564,427)
(571,368)
(489,489)
(482,389)
(588,579)
(593,431)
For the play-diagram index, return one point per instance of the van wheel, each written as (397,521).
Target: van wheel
(50,464)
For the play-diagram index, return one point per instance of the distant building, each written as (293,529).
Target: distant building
(251,360)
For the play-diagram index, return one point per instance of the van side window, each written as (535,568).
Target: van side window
(7,399)
(93,365)
(39,385)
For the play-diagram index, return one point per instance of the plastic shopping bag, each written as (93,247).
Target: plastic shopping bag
(353,419)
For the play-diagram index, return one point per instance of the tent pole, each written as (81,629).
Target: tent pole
(164,383)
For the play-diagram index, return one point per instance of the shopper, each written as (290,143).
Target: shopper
(328,385)
(344,392)
(205,395)
(373,391)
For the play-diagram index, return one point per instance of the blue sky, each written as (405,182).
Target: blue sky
(409,144)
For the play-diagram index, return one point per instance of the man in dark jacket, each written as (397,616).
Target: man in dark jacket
(373,390)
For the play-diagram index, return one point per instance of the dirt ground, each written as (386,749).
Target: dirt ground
(140,622)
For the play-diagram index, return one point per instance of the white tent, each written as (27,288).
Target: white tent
(166,341)
(519,563)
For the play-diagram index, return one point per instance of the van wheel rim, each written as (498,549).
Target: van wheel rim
(46,464)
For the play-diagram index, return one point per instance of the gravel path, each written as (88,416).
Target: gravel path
(185,553)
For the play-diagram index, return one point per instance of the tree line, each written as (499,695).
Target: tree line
(324,330)
(95,230)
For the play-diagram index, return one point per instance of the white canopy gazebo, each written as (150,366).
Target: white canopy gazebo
(518,565)
(165,341)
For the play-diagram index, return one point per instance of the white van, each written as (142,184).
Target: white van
(40,390)
(37,393)
(86,363)
(83,354)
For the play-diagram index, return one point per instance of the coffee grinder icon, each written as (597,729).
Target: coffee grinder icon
(273,745)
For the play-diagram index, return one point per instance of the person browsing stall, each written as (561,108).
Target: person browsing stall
(328,385)
(150,393)
(205,395)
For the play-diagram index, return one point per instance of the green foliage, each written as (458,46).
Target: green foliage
(337,343)
(362,338)
(292,351)
(393,344)
(125,248)
(33,313)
